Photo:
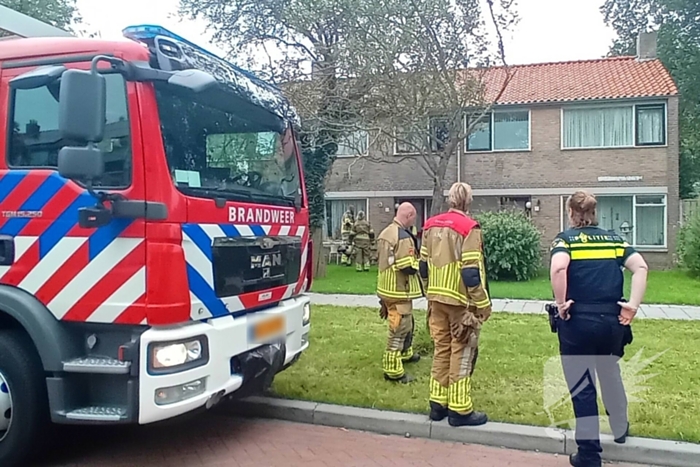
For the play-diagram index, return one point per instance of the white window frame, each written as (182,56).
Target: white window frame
(608,105)
(357,153)
(354,201)
(493,137)
(563,216)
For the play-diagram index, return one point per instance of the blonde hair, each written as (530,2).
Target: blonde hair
(460,197)
(582,209)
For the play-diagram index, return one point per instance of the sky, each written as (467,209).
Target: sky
(549,30)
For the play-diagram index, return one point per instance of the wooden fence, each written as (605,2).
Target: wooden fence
(688,208)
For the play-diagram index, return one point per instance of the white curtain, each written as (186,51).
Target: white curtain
(601,127)
(334,213)
(612,211)
(650,220)
(650,125)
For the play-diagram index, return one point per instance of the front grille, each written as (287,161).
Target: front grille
(252,264)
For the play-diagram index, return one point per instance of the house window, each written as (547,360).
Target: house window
(354,144)
(640,219)
(407,142)
(500,131)
(335,209)
(651,125)
(614,126)
(414,142)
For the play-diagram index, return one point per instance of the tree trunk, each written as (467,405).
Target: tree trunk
(438,203)
(319,259)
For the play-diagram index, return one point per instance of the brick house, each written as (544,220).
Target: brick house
(607,125)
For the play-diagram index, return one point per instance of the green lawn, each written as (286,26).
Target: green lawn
(664,287)
(343,366)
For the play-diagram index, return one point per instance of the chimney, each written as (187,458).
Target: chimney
(646,46)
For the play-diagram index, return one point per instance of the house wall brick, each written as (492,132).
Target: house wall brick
(545,166)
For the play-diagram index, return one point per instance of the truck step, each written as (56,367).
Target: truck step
(97,414)
(103,365)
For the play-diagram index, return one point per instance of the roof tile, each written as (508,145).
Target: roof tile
(605,78)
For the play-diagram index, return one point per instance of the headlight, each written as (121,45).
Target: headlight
(180,355)
(307,314)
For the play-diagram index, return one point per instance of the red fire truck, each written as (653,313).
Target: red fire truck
(154,241)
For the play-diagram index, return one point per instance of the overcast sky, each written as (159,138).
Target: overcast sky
(549,30)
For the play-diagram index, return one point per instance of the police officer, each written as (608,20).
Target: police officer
(594,325)
(345,230)
(452,264)
(397,286)
(361,238)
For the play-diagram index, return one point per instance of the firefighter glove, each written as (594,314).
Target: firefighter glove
(383,310)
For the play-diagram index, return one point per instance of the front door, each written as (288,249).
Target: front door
(94,275)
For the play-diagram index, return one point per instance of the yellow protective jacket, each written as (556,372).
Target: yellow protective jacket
(397,259)
(453,261)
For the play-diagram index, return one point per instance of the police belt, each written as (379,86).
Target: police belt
(597,308)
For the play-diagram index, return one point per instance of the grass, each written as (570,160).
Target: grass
(673,287)
(343,366)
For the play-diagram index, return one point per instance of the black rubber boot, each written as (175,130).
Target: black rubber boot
(472,419)
(437,412)
(623,438)
(577,461)
(415,358)
(405,379)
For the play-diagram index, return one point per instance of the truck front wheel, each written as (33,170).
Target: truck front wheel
(23,399)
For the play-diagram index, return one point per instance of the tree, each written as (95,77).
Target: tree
(300,32)
(679,50)
(351,64)
(62,14)
(422,67)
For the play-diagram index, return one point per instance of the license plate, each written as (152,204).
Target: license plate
(268,328)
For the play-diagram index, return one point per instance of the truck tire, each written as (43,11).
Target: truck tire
(24,414)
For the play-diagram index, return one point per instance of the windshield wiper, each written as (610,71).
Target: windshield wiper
(239,194)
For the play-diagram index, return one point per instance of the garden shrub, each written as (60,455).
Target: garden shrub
(511,245)
(688,245)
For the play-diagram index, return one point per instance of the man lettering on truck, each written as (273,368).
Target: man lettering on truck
(152,260)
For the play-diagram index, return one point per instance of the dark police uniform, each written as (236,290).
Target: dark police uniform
(592,340)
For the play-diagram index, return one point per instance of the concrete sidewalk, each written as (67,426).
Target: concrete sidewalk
(512,306)
(527,438)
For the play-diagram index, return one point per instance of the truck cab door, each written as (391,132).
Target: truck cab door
(80,274)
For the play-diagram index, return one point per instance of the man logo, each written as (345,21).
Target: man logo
(266,261)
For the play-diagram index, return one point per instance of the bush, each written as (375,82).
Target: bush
(688,249)
(511,245)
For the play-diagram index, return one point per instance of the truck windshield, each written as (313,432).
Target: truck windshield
(213,153)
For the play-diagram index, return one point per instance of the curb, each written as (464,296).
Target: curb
(504,435)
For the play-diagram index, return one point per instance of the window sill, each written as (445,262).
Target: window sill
(651,249)
(609,148)
(500,151)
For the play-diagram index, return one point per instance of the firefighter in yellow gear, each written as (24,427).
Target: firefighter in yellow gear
(346,225)
(453,266)
(361,237)
(397,286)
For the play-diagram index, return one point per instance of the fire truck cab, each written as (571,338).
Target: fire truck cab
(154,240)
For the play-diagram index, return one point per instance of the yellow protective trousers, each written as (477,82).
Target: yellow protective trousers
(453,360)
(399,346)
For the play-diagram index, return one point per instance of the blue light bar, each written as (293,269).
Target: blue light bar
(145,33)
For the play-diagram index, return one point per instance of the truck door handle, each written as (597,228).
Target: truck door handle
(7,250)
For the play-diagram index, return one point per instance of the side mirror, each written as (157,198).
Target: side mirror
(194,80)
(82,106)
(38,77)
(86,164)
